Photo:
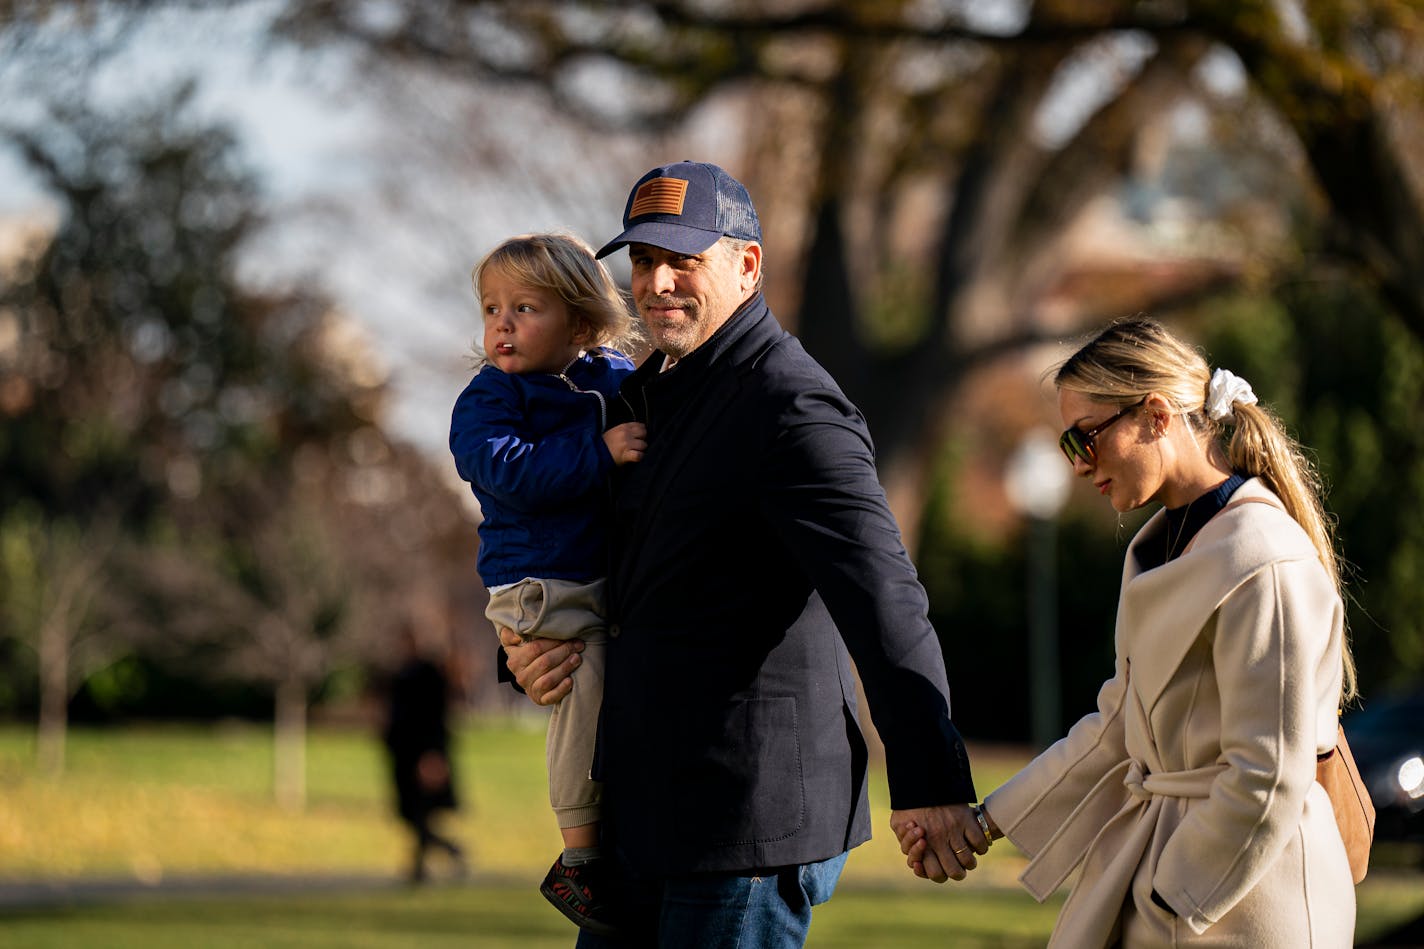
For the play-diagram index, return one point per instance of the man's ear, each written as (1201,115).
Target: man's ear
(750,266)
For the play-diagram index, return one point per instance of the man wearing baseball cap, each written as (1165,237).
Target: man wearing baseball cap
(754,556)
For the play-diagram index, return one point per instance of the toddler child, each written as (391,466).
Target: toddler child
(528,433)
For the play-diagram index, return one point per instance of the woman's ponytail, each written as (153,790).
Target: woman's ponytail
(1259,446)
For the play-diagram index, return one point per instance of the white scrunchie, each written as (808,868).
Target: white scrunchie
(1225,390)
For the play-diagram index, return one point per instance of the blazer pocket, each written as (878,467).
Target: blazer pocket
(747,783)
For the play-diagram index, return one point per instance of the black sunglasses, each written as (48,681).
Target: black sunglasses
(1076,444)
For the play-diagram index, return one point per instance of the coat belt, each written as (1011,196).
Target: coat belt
(1128,787)
(1144,785)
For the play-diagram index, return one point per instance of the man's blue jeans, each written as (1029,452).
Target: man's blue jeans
(771,910)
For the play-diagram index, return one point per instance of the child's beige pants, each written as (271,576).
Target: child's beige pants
(565,609)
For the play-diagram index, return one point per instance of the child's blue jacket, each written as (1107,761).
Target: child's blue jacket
(531,447)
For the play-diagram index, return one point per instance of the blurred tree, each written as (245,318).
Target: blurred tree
(198,458)
(978,600)
(136,354)
(1346,79)
(272,598)
(54,601)
(114,329)
(1351,389)
(920,171)
(918,159)
(921,168)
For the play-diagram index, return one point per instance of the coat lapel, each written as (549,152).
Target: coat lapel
(1164,609)
(702,402)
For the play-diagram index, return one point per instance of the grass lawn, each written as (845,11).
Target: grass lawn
(159,804)
(485,917)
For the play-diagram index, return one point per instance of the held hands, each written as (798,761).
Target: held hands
(626,442)
(940,843)
(542,667)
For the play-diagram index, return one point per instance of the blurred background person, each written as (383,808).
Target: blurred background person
(417,737)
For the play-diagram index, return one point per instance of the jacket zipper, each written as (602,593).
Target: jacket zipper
(602,405)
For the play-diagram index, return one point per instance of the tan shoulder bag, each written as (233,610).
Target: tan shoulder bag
(1354,811)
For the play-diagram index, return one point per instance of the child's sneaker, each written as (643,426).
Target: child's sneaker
(581,894)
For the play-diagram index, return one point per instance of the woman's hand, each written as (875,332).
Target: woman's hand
(542,667)
(915,848)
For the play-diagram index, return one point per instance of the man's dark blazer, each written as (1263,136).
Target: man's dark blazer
(752,546)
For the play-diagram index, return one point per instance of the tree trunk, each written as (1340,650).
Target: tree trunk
(905,401)
(54,695)
(289,750)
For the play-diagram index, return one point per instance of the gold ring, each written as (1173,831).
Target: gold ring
(965,850)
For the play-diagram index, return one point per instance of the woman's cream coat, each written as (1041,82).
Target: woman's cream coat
(1196,775)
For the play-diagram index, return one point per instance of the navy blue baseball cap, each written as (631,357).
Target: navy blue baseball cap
(686,207)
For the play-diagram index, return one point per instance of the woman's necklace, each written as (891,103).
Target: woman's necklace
(1172,543)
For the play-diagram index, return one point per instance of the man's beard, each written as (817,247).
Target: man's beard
(677,338)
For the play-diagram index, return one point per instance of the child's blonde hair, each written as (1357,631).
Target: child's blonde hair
(565,266)
(1136,356)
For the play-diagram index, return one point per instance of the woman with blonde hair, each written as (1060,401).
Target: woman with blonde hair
(1188,799)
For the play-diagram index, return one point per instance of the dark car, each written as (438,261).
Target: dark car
(1387,739)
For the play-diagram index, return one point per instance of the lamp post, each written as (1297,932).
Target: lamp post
(1037,482)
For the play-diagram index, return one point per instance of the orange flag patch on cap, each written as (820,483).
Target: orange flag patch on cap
(659,196)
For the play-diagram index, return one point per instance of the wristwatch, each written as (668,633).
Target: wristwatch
(983,821)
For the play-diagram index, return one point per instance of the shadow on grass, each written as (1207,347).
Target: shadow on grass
(485,914)
(932,916)
(437,916)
